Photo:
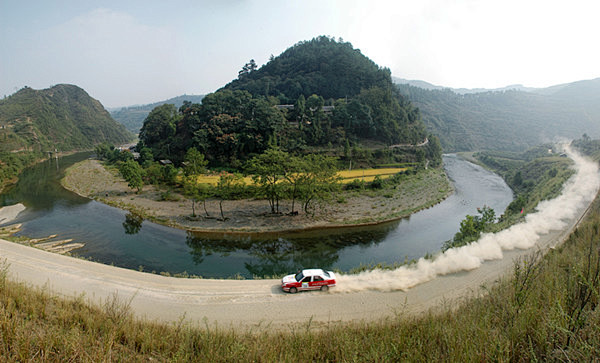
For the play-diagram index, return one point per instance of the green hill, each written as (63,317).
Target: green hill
(133,117)
(63,117)
(320,95)
(508,120)
(321,66)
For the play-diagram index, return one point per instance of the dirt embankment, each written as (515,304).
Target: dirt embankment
(91,179)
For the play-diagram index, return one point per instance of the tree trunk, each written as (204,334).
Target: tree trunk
(205,211)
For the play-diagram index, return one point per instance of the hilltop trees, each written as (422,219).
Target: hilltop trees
(321,93)
(226,128)
(159,130)
(324,66)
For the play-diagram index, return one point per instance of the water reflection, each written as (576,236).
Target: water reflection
(39,187)
(274,254)
(133,223)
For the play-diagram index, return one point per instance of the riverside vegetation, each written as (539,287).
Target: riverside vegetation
(545,310)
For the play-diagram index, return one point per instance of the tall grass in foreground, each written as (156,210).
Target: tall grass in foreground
(547,309)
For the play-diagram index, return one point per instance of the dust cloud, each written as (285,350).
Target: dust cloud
(550,215)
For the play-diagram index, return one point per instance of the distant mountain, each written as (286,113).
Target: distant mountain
(64,117)
(508,120)
(462,91)
(133,117)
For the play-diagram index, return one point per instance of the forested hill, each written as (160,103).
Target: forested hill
(321,66)
(133,116)
(508,120)
(320,95)
(64,117)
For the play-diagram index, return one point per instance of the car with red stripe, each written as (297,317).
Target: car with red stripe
(308,279)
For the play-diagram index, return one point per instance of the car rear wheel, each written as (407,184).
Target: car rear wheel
(324,288)
(293,290)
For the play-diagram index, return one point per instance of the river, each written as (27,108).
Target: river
(113,236)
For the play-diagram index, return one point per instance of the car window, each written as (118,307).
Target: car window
(306,279)
(326,274)
(318,278)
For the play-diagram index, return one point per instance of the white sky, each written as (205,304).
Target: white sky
(138,52)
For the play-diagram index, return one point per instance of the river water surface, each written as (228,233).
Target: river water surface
(113,236)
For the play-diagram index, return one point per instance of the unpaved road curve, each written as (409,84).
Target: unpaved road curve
(243,304)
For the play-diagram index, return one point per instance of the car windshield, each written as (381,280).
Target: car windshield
(299,276)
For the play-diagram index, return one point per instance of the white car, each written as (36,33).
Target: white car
(310,279)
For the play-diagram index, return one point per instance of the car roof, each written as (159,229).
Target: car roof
(313,272)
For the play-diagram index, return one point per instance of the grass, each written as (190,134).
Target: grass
(545,310)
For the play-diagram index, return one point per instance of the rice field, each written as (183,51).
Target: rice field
(367,175)
(346,176)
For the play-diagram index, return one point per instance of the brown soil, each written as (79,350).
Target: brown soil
(91,179)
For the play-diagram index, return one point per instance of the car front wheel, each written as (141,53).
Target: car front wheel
(293,290)
(324,288)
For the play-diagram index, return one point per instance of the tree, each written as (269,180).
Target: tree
(158,130)
(196,191)
(268,169)
(319,179)
(229,186)
(295,167)
(471,228)
(132,172)
(194,162)
(247,68)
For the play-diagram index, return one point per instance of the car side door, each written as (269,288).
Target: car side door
(305,283)
(317,282)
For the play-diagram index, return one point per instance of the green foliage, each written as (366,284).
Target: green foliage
(471,228)
(319,179)
(196,191)
(194,162)
(377,183)
(11,164)
(158,131)
(229,186)
(321,66)
(133,174)
(63,117)
(268,170)
(133,117)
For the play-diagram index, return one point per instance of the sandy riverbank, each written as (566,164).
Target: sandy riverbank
(10,212)
(91,179)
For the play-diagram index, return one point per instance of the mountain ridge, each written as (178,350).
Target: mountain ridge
(508,119)
(63,117)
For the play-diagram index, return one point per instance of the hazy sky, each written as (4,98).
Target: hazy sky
(137,52)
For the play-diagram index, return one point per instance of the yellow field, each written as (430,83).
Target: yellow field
(366,175)
(214,179)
